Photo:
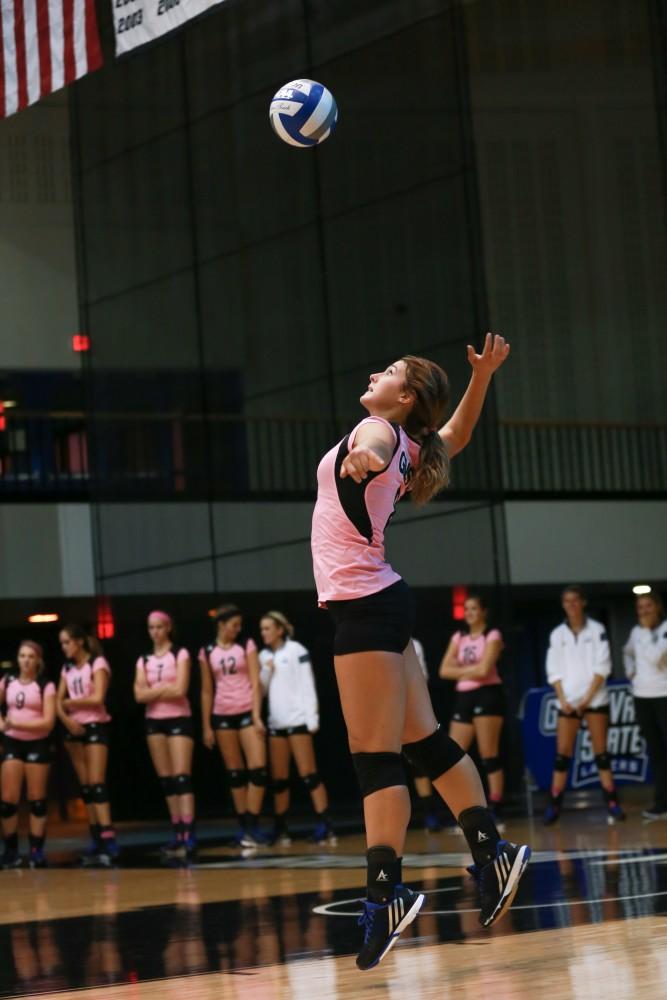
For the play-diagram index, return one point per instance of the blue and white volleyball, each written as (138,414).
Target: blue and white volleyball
(303,113)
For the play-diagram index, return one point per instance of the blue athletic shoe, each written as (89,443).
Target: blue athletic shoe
(552,812)
(37,858)
(324,834)
(108,852)
(431,823)
(90,854)
(614,813)
(383,922)
(498,880)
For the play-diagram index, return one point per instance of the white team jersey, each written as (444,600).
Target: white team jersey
(645,659)
(419,650)
(574,660)
(290,686)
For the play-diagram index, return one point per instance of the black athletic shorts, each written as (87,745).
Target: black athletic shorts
(178,725)
(29,751)
(240,721)
(95,732)
(382,622)
(289,731)
(601,710)
(486,700)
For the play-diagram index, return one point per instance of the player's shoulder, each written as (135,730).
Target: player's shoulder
(598,629)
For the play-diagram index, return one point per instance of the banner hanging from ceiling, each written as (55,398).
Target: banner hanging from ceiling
(137,22)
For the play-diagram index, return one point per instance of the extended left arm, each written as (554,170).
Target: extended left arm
(456,433)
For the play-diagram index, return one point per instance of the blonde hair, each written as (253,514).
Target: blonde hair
(280,619)
(429,385)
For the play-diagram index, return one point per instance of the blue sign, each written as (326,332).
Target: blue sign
(625,743)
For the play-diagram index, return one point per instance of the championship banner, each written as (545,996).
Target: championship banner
(137,22)
(625,743)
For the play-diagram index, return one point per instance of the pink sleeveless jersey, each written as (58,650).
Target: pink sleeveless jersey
(233,690)
(469,653)
(26,703)
(79,682)
(162,670)
(350,518)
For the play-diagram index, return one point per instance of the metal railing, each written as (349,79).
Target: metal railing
(172,456)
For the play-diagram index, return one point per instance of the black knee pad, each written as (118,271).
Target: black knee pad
(279,784)
(378,770)
(562,763)
(37,807)
(167,785)
(86,794)
(492,764)
(312,781)
(182,784)
(435,754)
(258,776)
(237,778)
(603,761)
(8,809)
(99,793)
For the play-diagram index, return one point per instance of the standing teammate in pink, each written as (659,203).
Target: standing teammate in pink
(472,661)
(80,704)
(29,699)
(401,446)
(231,708)
(161,682)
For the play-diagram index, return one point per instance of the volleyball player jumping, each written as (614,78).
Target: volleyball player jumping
(384,696)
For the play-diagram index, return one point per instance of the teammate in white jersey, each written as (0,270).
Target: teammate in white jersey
(645,657)
(578,664)
(287,677)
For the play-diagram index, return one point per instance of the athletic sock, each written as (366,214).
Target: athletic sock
(12,842)
(280,822)
(177,829)
(480,832)
(95,831)
(610,796)
(107,833)
(251,820)
(36,843)
(324,817)
(242,819)
(187,825)
(383,873)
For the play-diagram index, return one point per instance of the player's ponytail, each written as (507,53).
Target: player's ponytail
(428,383)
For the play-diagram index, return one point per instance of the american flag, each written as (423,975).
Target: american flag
(44,45)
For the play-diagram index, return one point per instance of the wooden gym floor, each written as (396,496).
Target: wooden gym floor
(591,916)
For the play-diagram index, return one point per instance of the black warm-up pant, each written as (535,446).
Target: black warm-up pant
(652,719)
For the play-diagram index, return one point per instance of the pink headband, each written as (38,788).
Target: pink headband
(161,614)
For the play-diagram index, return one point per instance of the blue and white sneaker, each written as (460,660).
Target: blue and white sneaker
(36,858)
(324,834)
(614,813)
(383,922)
(90,854)
(498,880)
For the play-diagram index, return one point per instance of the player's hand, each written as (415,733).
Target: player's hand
(494,353)
(566,708)
(208,739)
(359,462)
(75,728)
(260,728)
